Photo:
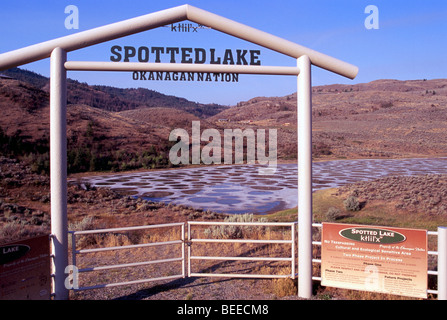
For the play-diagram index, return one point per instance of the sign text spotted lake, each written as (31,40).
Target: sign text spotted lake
(187,55)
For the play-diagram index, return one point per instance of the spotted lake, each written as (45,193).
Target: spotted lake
(240,189)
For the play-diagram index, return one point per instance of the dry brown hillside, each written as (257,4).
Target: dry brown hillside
(97,139)
(383,118)
(163,118)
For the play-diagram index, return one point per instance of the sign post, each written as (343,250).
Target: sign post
(442,263)
(304,114)
(58,170)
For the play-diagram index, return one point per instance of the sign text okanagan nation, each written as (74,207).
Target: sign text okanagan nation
(145,54)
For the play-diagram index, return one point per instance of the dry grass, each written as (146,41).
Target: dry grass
(278,287)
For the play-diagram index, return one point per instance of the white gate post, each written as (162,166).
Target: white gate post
(442,263)
(304,114)
(58,170)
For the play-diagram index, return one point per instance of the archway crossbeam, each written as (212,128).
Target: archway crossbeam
(178,67)
(161,18)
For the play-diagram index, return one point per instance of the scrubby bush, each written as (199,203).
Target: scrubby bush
(15,230)
(284,287)
(333,214)
(352,203)
(386,105)
(234,231)
(87,223)
(321,149)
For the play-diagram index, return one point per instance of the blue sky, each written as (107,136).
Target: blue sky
(410,43)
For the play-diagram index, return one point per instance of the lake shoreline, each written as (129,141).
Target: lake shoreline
(241,189)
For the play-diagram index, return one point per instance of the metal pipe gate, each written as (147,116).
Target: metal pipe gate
(182,256)
(291,241)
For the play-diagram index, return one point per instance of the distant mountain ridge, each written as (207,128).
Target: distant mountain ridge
(385,118)
(117,99)
(381,119)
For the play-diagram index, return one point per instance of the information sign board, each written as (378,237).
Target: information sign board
(25,269)
(372,258)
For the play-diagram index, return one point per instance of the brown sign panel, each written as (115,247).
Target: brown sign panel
(372,258)
(25,269)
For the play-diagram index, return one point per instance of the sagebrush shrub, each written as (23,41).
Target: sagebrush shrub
(234,231)
(333,214)
(352,203)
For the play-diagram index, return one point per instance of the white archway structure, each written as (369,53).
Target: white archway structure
(57,49)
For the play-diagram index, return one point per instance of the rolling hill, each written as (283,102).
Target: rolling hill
(108,128)
(116,99)
(380,119)
(119,129)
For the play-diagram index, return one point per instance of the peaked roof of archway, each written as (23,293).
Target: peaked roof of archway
(161,18)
